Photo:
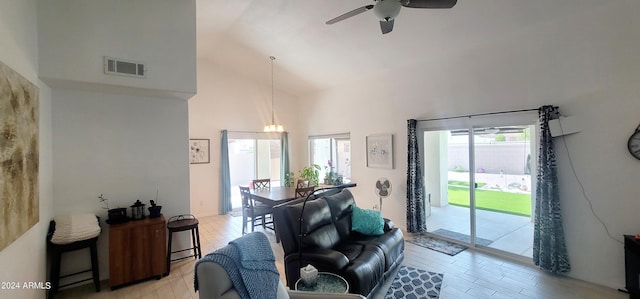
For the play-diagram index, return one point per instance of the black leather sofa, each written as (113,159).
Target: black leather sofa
(329,244)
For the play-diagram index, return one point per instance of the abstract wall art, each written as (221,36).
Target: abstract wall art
(380,151)
(19,155)
(199,151)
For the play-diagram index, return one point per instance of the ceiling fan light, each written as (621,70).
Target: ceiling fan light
(387,9)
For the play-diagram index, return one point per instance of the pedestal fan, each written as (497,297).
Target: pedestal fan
(383,189)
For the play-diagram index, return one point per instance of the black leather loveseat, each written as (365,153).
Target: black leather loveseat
(329,244)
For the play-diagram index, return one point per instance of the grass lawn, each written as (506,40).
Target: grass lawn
(498,201)
(466,184)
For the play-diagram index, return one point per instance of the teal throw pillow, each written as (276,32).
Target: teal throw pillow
(367,222)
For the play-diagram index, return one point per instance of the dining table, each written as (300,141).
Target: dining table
(274,196)
(280,194)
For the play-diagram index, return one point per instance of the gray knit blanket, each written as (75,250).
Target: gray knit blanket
(250,263)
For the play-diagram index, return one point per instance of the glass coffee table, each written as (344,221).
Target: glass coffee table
(326,283)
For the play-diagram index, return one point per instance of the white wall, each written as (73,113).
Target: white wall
(125,147)
(587,64)
(24,260)
(227,100)
(76,34)
(119,136)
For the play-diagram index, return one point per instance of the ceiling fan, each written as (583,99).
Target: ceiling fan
(388,10)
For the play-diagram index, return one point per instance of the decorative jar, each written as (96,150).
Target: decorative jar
(137,210)
(309,275)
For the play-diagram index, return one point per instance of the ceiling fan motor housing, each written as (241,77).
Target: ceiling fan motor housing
(387,9)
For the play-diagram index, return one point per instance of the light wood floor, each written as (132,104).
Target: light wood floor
(470,274)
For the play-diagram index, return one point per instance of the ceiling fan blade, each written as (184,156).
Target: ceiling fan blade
(429,3)
(386,26)
(352,13)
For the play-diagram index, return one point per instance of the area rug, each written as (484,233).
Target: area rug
(235,213)
(443,246)
(415,283)
(460,237)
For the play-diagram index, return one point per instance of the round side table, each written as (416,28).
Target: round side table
(325,283)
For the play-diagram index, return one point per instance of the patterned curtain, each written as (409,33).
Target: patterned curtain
(225,177)
(284,157)
(549,249)
(416,220)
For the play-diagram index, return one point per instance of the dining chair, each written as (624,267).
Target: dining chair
(252,212)
(302,183)
(304,191)
(261,184)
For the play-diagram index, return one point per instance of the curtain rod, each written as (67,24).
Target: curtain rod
(480,114)
(262,132)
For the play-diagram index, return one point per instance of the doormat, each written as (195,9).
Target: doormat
(460,237)
(415,283)
(432,243)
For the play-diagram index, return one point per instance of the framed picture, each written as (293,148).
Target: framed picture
(198,151)
(19,155)
(380,151)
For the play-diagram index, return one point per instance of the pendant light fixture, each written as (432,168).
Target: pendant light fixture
(272,127)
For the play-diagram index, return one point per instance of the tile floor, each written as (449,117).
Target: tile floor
(470,274)
(509,233)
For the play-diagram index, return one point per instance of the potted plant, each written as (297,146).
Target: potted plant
(117,215)
(329,177)
(289,179)
(154,210)
(311,174)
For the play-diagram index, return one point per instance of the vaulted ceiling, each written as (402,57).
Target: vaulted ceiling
(241,35)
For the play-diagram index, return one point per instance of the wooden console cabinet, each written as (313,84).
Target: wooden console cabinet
(137,250)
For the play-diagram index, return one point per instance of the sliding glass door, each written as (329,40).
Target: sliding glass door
(478,179)
(503,202)
(252,157)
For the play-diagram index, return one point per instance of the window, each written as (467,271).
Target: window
(331,152)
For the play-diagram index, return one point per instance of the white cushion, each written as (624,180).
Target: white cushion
(72,228)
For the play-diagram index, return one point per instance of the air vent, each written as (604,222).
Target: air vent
(116,66)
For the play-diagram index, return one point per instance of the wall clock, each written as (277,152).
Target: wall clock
(634,144)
